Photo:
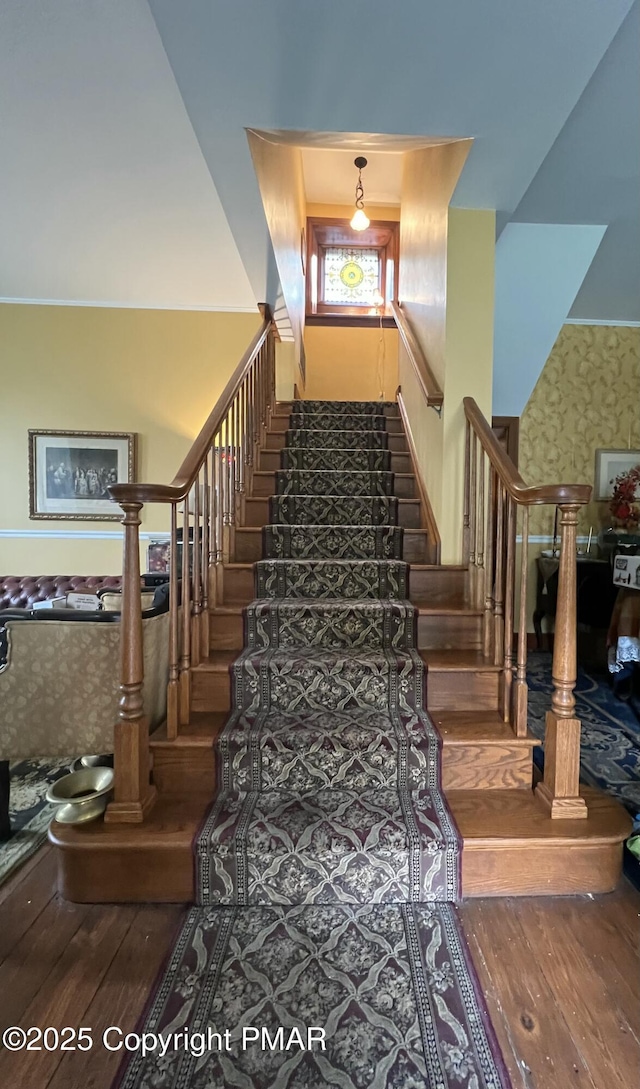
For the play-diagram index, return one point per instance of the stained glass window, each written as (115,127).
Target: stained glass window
(351,276)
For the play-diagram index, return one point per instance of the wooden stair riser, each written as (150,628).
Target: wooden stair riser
(438,585)
(274,440)
(455,690)
(264,484)
(462,690)
(256,513)
(280,422)
(184,768)
(190,766)
(435,631)
(430,585)
(270,460)
(247,546)
(153,868)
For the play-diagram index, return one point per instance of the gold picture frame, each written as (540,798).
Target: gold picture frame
(70,473)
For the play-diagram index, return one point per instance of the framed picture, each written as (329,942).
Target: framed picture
(609,465)
(70,473)
(159,556)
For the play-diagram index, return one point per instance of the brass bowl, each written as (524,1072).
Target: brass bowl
(105,760)
(82,795)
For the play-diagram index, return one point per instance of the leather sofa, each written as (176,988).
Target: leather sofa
(21,591)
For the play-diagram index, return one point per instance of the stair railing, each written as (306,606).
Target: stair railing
(205,500)
(431,391)
(496,501)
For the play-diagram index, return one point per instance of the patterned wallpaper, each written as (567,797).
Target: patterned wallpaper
(587,396)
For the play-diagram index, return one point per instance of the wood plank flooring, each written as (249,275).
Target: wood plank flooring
(561,979)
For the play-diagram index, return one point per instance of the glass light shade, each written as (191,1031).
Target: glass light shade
(360,222)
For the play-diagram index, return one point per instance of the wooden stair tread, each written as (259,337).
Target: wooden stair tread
(516,817)
(424,609)
(488,727)
(173,822)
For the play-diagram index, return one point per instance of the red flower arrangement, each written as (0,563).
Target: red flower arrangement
(623,503)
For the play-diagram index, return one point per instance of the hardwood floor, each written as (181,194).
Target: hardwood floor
(561,977)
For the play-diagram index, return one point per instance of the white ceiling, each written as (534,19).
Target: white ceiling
(106,196)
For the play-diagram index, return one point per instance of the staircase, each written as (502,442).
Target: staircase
(345,720)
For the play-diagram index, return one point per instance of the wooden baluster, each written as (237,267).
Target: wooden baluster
(255,397)
(473,511)
(559,790)
(498,588)
(488,604)
(219,499)
(510,571)
(185,655)
(466,532)
(173,715)
(242,451)
(133,795)
(520,692)
(206,561)
(480,558)
(196,580)
(234,464)
(248,453)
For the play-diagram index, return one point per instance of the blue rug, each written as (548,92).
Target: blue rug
(29,812)
(610,748)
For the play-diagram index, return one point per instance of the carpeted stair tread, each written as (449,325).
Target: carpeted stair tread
(310,679)
(331,459)
(320,459)
(390,845)
(360,750)
(311,439)
(337,421)
(330,624)
(333,482)
(364,510)
(375,408)
(348,542)
(368,578)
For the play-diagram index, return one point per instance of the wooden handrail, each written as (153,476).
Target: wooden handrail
(433,395)
(554,494)
(210,484)
(426,510)
(186,476)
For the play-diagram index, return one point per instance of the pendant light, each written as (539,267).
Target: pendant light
(360,221)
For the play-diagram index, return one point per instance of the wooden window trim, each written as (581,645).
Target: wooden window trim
(323,233)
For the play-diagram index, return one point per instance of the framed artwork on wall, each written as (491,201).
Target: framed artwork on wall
(70,473)
(609,465)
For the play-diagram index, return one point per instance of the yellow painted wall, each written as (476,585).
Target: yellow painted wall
(468,354)
(428,181)
(351,364)
(155,372)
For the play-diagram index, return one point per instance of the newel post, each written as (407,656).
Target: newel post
(560,789)
(133,794)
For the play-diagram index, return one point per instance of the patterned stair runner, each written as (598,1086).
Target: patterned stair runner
(328,691)
(326,866)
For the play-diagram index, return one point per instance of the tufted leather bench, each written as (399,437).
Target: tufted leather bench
(21,591)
